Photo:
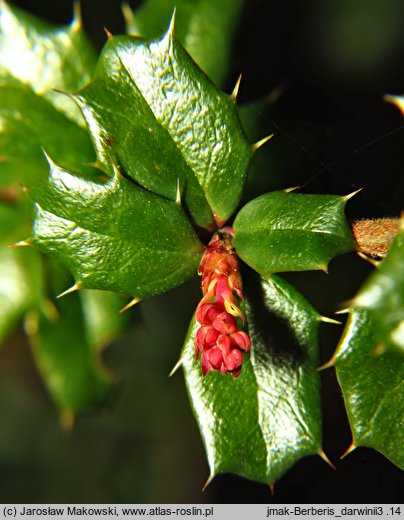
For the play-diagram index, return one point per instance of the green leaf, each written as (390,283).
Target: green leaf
(261,423)
(382,296)
(45,56)
(373,387)
(29,122)
(280,232)
(66,357)
(175,125)
(204,27)
(20,285)
(114,235)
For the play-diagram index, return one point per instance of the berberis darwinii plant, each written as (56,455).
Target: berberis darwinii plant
(158,203)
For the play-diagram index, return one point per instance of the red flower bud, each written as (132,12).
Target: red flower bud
(221,343)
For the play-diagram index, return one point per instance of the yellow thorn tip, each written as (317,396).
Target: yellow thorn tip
(293,188)
(175,368)
(109,35)
(236,89)
(72,289)
(325,458)
(324,319)
(132,303)
(350,195)
(260,143)
(349,450)
(21,243)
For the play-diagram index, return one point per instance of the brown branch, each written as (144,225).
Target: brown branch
(374,236)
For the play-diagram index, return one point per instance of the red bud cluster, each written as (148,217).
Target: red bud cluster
(219,339)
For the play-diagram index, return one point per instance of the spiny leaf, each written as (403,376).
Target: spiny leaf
(281,231)
(261,423)
(174,110)
(382,296)
(373,387)
(45,56)
(114,235)
(28,123)
(204,27)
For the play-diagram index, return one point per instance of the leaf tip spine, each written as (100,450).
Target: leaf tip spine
(325,319)
(50,161)
(208,481)
(109,35)
(271,487)
(77,21)
(325,458)
(132,303)
(261,142)
(21,243)
(290,190)
(234,94)
(175,367)
(328,364)
(71,289)
(350,195)
(349,450)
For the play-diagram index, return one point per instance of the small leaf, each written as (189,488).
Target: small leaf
(205,28)
(20,285)
(66,357)
(261,423)
(373,387)
(171,108)
(29,122)
(114,235)
(382,296)
(280,232)
(45,56)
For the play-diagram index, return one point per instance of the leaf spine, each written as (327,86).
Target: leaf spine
(77,21)
(109,35)
(132,303)
(323,455)
(324,319)
(234,94)
(21,243)
(261,142)
(349,450)
(293,188)
(350,195)
(72,289)
(177,365)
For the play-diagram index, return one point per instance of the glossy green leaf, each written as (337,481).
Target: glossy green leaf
(20,285)
(280,232)
(113,235)
(29,122)
(373,387)
(261,423)
(45,56)
(205,28)
(153,110)
(382,296)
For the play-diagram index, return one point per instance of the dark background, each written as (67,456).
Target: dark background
(331,62)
